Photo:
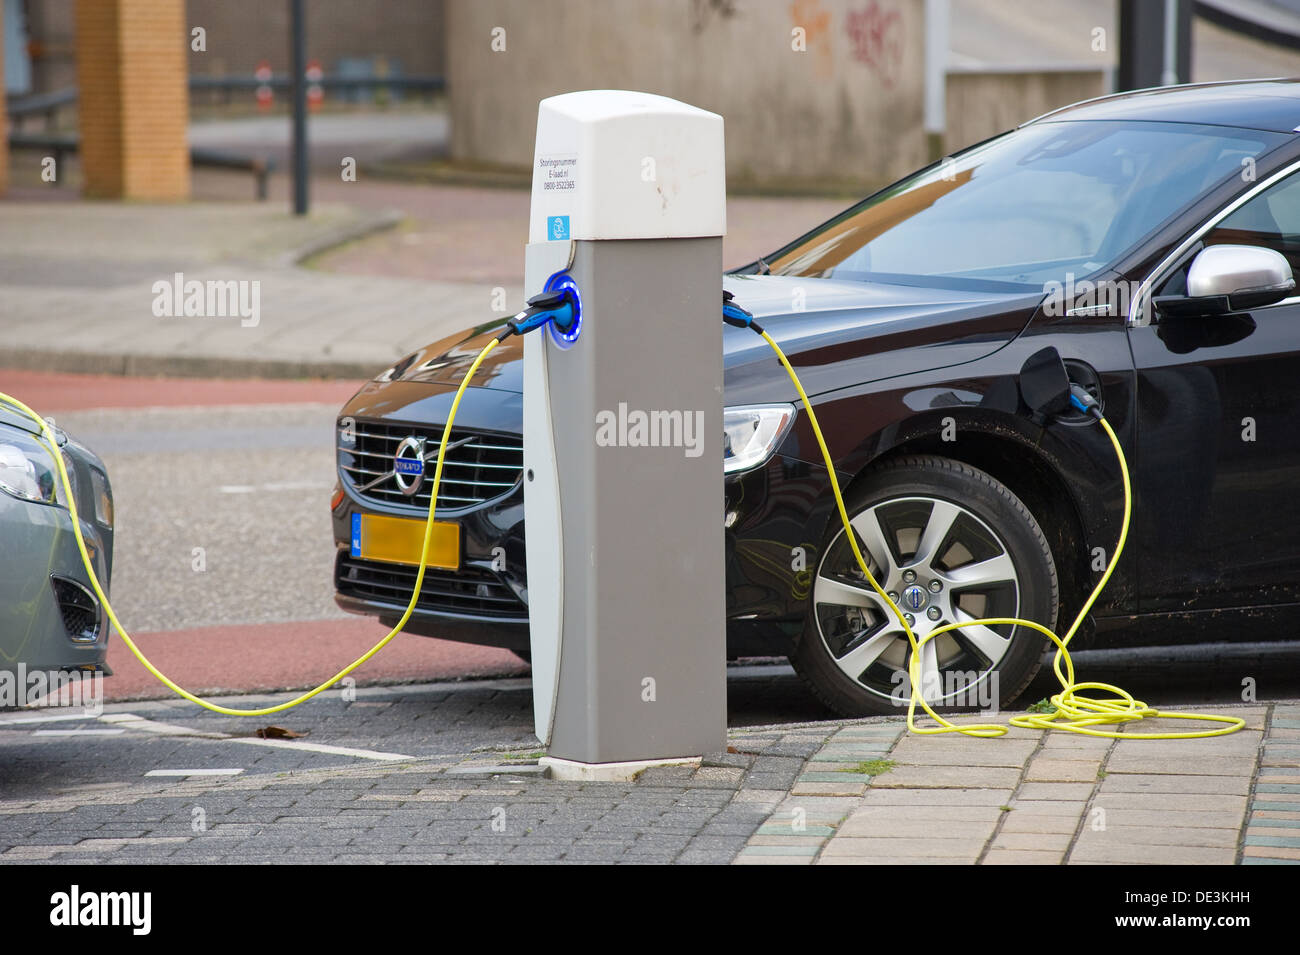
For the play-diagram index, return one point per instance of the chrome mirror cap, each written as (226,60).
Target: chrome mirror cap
(1236,270)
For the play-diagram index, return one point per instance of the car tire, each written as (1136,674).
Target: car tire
(943,535)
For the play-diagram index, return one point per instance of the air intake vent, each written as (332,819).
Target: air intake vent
(79,608)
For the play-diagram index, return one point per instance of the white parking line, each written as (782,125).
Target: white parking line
(273,486)
(321,748)
(132,722)
(195,772)
(18,720)
(86,732)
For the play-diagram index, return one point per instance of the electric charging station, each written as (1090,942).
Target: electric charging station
(623,433)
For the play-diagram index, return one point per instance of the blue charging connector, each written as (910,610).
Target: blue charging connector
(559,307)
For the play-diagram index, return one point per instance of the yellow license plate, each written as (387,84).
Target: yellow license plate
(398,540)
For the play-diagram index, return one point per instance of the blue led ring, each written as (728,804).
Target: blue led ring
(565,340)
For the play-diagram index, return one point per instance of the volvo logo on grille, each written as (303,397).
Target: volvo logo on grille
(915,597)
(408,465)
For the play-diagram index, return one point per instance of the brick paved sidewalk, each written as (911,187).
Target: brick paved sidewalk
(872,794)
(829,792)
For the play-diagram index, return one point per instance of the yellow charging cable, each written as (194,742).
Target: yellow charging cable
(1074,711)
(48,437)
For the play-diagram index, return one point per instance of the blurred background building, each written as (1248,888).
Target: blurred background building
(819,95)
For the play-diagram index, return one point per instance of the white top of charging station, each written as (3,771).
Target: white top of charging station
(612,164)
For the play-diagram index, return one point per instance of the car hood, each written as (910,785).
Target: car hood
(827,327)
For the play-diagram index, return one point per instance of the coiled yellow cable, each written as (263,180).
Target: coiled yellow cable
(48,437)
(1075,712)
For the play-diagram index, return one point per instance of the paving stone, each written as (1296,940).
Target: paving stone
(1071,792)
(866,827)
(947,777)
(758,796)
(1038,841)
(787,829)
(1271,852)
(847,788)
(1276,819)
(746,858)
(777,840)
(921,751)
(938,797)
(882,860)
(1290,841)
(834,776)
(806,851)
(1203,765)
(930,814)
(1173,802)
(1189,819)
(1044,769)
(1207,785)
(935,847)
(1090,850)
(1022,857)
(1017,822)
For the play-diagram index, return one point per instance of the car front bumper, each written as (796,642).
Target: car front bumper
(50,618)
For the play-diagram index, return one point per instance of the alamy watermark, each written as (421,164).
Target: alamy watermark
(633,428)
(965,688)
(23,688)
(1102,297)
(215,298)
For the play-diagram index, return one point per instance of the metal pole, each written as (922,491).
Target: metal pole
(298,92)
(1169,53)
(937,17)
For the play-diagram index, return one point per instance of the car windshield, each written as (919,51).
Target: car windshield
(1027,208)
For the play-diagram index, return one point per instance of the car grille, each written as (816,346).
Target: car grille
(486,466)
(468,590)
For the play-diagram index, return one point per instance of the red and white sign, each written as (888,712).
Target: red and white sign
(264,93)
(315,92)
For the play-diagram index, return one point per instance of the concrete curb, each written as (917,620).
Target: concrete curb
(351,232)
(181,366)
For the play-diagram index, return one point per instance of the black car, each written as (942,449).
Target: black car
(1149,237)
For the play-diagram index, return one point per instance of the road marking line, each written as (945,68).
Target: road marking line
(273,487)
(46,719)
(321,748)
(87,732)
(194,772)
(133,722)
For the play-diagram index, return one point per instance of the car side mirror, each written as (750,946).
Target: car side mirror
(1231,278)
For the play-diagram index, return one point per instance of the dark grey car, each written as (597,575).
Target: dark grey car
(50,619)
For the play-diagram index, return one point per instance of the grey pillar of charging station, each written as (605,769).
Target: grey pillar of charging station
(623,433)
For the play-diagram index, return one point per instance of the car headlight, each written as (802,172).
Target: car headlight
(103,499)
(751,434)
(26,470)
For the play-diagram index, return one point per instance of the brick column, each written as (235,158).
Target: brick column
(134,98)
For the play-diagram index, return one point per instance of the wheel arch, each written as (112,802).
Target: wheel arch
(1000,446)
